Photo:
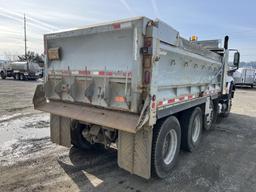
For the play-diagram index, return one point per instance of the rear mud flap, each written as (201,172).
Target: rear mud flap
(134,152)
(60,130)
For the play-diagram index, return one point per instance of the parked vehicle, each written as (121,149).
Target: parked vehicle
(245,76)
(21,70)
(136,83)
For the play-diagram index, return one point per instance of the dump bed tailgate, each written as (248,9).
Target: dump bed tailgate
(98,65)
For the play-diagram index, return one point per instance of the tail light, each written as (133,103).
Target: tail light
(119,99)
(148,42)
(147,77)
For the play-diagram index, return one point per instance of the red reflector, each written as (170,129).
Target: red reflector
(120,99)
(147,77)
(116,26)
(110,73)
(170,101)
(101,72)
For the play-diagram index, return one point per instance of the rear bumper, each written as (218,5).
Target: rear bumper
(108,118)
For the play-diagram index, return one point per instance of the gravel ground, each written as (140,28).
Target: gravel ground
(225,160)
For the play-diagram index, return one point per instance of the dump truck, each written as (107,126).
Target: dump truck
(244,77)
(135,85)
(21,70)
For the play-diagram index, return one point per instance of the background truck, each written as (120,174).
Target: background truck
(244,76)
(135,83)
(21,70)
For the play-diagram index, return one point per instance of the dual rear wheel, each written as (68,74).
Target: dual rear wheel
(77,138)
(170,135)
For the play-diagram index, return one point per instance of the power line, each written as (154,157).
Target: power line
(34,22)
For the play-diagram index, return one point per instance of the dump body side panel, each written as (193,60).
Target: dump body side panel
(185,76)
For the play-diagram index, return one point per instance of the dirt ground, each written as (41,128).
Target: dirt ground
(225,160)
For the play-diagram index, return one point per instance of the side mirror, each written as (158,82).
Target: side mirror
(236,59)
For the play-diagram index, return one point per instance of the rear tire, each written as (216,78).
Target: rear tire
(191,125)
(165,146)
(3,75)
(22,77)
(17,76)
(77,138)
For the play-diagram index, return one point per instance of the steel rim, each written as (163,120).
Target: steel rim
(196,129)
(170,146)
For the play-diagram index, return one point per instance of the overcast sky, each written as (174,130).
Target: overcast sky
(206,19)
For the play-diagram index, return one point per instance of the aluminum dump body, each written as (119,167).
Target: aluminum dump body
(106,66)
(117,81)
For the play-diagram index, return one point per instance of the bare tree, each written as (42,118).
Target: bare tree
(32,57)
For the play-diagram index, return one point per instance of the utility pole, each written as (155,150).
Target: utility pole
(25,39)
(25,35)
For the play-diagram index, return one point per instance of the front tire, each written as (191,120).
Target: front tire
(208,125)
(228,102)
(227,111)
(165,146)
(191,124)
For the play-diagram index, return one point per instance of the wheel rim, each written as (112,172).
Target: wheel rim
(170,146)
(196,129)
